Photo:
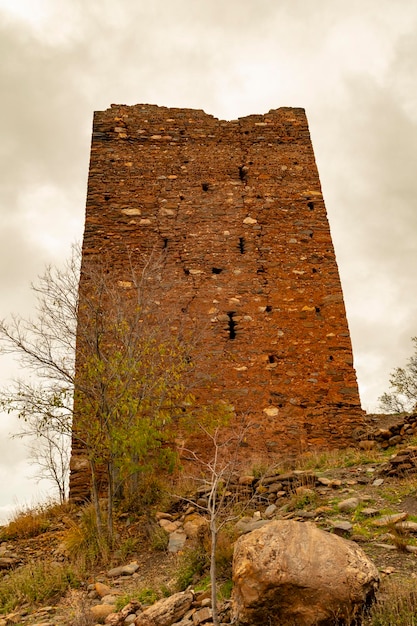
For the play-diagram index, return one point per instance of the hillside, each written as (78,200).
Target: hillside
(52,571)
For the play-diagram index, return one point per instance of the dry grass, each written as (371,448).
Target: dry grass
(83,541)
(35,583)
(31,522)
(396,605)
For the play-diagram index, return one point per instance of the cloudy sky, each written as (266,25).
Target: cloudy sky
(351,64)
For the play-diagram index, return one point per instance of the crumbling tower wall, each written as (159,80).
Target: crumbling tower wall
(237,209)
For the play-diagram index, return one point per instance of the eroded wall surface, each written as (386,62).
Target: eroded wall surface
(235,210)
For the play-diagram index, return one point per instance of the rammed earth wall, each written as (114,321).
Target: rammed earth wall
(237,210)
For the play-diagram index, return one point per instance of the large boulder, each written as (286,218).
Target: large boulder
(293,573)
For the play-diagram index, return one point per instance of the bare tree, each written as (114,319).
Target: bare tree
(217,476)
(403,383)
(49,452)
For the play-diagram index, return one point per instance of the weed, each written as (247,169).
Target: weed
(397,606)
(146,596)
(302,498)
(398,537)
(83,540)
(192,563)
(128,547)
(35,583)
(158,539)
(225,589)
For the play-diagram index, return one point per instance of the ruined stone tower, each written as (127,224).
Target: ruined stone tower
(237,209)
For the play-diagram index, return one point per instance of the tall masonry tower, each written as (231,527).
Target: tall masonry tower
(237,210)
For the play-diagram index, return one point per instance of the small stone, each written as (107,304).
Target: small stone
(393,441)
(270,510)
(341,527)
(202,615)
(378,482)
(246,480)
(109,599)
(131,212)
(101,611)
(250,220)
(168,526)
(161,515)
(102,589)
(176,541)
(385,520)
(348,505)
(271,411)
(369,512)
(324,481)
(410,527)
(123,570)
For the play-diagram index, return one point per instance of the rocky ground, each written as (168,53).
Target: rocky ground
(368,496)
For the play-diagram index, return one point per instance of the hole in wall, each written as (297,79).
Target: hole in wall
(314,270)
(205,186)
(268,308)
(107,197)
(181,197)
(231,325)
(241,245)
(272,358)
(331,358)
(243,172)
(261,270)
(317,309)
(310,206)
(216,270)
(186,271)
(165,245)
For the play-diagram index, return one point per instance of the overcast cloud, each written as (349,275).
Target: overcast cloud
(352,65)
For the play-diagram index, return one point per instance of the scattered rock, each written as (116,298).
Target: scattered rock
(123,570)
(102,589)
(166,611)
(176,541)
(386,520)
(342,528)
(348,505)
(100,611)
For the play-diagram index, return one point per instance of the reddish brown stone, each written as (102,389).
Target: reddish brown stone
(237,209)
